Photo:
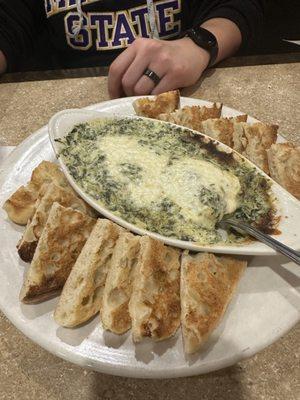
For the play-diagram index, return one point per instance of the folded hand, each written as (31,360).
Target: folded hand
(178,63)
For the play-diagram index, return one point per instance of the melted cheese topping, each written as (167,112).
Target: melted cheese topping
(163,179)
(126,149)
(181,181)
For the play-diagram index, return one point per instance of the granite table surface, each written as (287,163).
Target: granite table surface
(268,92)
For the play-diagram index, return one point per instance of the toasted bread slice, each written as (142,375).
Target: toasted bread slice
(61,242)
(238,118)
(47,172)
(253,141)
(118,287)
(207,285)
(154,306)
(192,117)
(20,207)
(82,294)
(33,231)
(221,128)
(163,103)
(284,165)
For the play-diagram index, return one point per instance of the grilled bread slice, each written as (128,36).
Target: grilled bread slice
(33,231)
(253,141)
(154,306)
(20,207)
(221,128)
(118,287)
(284,164)
(47,172)
(163,103)
(192,116)
(207,285)
(82,294)
(61,242)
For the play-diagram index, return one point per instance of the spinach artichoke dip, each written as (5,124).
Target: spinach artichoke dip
(166,179)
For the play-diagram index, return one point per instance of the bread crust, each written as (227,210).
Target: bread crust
(82,295)
(21,205)
(61,241)
(207,285)
(192,116)
(54,193)
(118,286)
(253,141)
(221,129)
(154,306)
(163,103)
(284,164)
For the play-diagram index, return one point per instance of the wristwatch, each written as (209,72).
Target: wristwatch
(206,40)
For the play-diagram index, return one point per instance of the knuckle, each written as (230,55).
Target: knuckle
(178,70)
(150,45)
(139,90)
(154,44)
(126,84)
(113,69)
(164,58)
(146,46)
(139,41)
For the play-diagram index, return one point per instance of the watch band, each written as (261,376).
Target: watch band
(206,40)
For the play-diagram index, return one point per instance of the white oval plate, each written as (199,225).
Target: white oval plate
(266,306)
(289,207)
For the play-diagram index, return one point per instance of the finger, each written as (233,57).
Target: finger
(145,85)
(166,84)
(117,70)
(134,73)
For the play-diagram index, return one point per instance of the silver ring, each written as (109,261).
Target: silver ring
(153,76)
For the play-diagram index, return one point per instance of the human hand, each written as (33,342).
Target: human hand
(178,64)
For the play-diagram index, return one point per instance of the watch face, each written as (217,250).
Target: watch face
(205,38)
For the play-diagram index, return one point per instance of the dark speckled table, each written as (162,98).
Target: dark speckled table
(268,92)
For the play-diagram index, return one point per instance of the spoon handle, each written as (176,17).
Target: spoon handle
(268,240)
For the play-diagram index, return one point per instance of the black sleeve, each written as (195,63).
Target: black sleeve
(248,15)
(20,24)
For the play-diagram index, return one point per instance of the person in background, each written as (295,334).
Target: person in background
(151,46)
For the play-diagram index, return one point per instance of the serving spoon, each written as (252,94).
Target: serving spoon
(263,237)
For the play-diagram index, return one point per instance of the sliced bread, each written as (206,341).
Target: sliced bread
(163,103)
(284,164)
(207,285)
(154,306)
(82,295)
(118,287)
(62,239)
(54,193)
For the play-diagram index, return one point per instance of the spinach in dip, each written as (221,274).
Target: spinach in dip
(166,179)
